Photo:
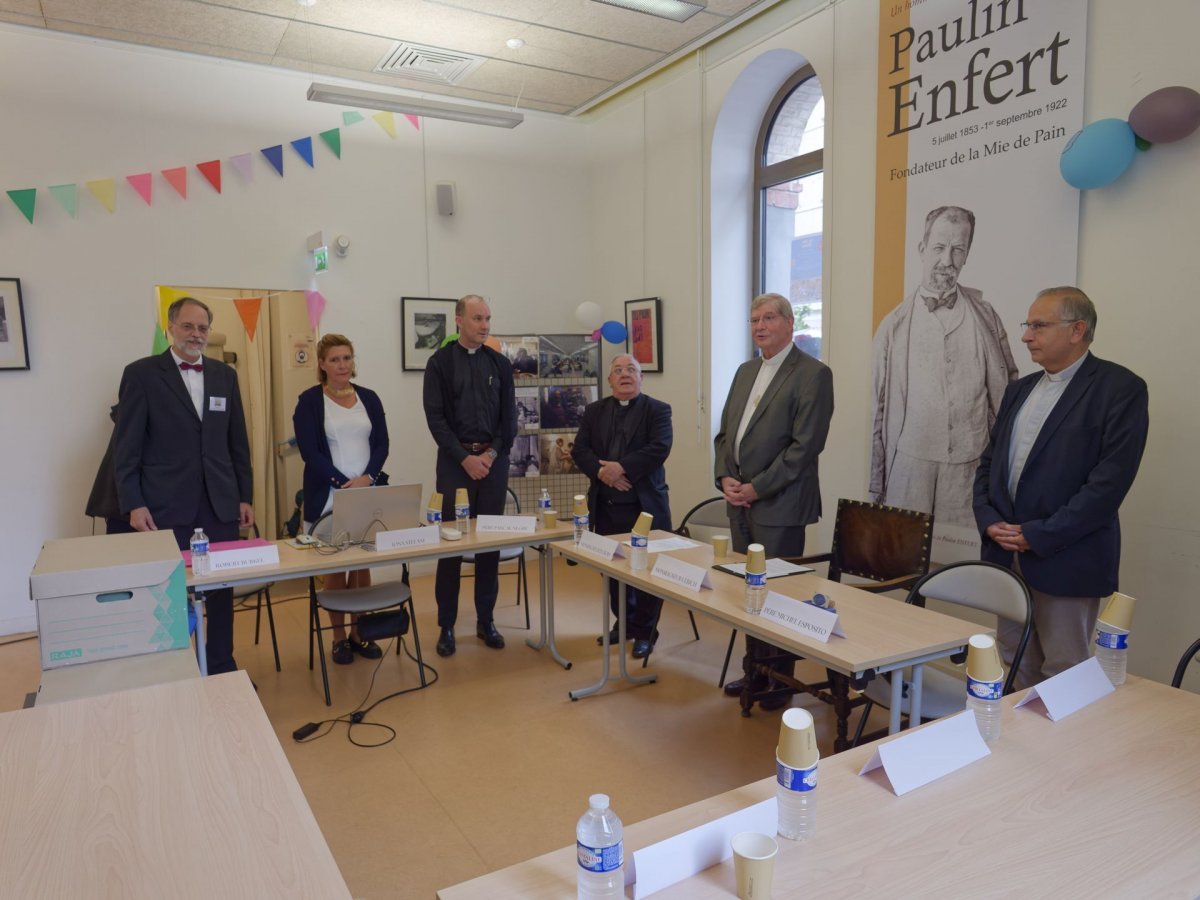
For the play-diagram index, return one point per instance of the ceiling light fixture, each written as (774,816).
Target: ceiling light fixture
(676,10)
(412,106)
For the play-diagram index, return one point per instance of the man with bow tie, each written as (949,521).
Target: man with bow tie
(181,454)
(941,363)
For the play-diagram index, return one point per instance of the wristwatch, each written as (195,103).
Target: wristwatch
(492,454)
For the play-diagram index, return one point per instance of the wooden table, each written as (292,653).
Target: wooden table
(1101,804)
(301,563)
(882,634)
(177,790)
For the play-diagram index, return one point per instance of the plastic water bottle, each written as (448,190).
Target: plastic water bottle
(796,795)
(462,517)
(756,579)
(600,849)
(639,556)
(433,516)
(984,698)
(544,501)
(199,547)
(580,516)
(1111,652)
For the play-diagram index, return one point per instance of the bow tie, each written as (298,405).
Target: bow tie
(198,367)
(936,303)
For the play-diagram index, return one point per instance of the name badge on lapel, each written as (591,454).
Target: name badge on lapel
(216,404)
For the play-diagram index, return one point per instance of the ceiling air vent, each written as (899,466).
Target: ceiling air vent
(423,63)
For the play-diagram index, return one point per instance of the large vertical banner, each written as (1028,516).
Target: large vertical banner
(972,219)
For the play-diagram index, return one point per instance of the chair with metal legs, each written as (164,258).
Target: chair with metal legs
(512,507)
(260,592)
(1181,669)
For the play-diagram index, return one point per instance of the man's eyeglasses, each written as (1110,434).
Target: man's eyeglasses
(768,319)
(624,370)
(188,327)
(1039,327)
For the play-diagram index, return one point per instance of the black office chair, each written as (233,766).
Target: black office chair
(259,593)
(378,598)
(512,506)
(1181,669)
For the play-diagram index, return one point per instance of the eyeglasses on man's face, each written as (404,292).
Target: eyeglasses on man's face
(624,370)
(188,327)
(1039,327)
(765,319)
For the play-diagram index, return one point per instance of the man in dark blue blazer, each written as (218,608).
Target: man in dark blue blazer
(621,445)
(1064,452)
(182,457)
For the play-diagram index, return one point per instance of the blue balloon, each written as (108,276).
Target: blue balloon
(613,332)
(1098,155)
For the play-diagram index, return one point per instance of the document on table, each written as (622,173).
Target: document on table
(666,545)
(776,568)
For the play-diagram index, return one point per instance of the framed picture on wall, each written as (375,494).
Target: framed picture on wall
(424,324)
(643,324)
(14,343)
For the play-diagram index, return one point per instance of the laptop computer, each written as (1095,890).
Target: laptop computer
(360,513)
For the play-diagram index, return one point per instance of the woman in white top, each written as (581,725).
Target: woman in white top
(342,435)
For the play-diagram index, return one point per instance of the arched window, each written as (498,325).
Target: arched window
(789,203)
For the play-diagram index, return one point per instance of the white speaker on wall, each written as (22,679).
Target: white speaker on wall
(445,198)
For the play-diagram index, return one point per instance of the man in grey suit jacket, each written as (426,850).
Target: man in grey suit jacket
(181,455)
(773,428)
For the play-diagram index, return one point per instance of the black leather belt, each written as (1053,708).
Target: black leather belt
(476,447)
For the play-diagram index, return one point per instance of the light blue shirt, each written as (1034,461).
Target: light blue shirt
(1032,416)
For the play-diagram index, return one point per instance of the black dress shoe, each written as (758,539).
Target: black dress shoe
(775,701)
(734,688)
(486,632)
(642,648)
(613,637)
(445,644)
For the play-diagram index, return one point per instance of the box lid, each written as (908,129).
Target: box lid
(103,562)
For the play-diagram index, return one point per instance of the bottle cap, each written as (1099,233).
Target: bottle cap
(435,501)
(797,740)
(1118,614)
(580,505)
(461,498)
(642,526)
(756,559)
(983,658)
(598,801)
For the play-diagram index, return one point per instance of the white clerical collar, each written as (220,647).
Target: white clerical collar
(1067,373)
(777,360)
(623,402)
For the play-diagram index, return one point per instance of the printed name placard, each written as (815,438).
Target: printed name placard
(809,620)
(1069,691)
(604,547)
(249,558)
(681,573)
(506,524)
(403,538)
(927,754)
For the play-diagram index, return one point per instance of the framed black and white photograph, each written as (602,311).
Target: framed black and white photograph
(528,409)
(567,356)
(14,343)
(424,324)
(524,461)
(643,326)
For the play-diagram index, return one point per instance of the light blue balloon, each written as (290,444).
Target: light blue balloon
(1098,155)
(613,332)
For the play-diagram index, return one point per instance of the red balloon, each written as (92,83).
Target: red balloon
(1169,114)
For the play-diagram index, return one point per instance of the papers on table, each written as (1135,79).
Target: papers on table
(683,855)
(666,545)
(802,616)
(1069,691)
(927,754)
(776,568)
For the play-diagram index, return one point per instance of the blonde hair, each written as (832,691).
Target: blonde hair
(327,343)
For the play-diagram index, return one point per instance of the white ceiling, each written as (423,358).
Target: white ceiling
(574,52)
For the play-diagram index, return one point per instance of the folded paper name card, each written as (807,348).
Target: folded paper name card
(243,558)
(505,524)
(922,756)
(1068,691)
(403,538)
(604,547)
(681,573)
(802,616)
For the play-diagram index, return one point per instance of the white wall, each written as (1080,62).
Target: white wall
(1137,260)
(521,235)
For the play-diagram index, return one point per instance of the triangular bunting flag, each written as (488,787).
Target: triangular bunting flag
(316,306)
(414,121)
(387,122)
(274,156)
(177,178)
(211,170)
(247,308)
(333,139)
(24,199)
(104,190)
(141,183)
(242,163)
(303,146)
(350,117)
(65,194)
(160,342)
(166,296)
